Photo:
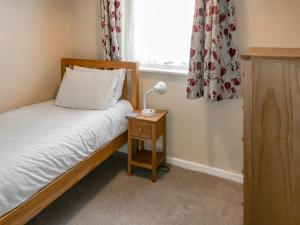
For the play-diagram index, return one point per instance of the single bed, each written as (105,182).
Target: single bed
(60,147)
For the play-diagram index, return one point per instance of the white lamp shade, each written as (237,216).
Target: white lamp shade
(160,87)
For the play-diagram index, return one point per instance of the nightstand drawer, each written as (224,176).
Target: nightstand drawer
(140,129)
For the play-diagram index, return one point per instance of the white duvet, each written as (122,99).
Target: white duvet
(38,143)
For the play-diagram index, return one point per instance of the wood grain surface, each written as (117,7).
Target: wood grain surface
(272,142)
(272,53)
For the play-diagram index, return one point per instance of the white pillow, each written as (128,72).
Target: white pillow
(84,90)
(117,85)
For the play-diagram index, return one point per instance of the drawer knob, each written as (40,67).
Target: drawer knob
(140,129)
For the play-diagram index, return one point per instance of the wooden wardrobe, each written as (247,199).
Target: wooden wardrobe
(271,136)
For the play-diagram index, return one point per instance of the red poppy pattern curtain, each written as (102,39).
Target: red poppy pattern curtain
(214,70)
(111,28)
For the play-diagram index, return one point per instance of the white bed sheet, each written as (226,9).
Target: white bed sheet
(38,143)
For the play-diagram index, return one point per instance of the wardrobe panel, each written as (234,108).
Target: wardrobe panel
(275,142)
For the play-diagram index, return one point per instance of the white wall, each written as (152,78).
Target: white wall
(268,23)
(34,35)
(199,131)
(86,36)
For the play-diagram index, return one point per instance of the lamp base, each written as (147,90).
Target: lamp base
(148,112)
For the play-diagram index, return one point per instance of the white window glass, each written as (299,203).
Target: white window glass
(161,32)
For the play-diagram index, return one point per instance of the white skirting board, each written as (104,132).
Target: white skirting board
(200,168)
(206,169)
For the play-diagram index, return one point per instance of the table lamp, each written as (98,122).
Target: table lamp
(160,88)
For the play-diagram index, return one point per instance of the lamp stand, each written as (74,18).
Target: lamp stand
(145,111)
(148,112)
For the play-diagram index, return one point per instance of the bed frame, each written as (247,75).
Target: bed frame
(30,208)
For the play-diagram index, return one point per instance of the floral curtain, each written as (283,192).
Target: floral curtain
(111,27)
(214,70)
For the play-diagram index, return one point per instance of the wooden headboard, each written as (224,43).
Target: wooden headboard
(110,65)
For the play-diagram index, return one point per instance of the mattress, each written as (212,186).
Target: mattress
(40,142)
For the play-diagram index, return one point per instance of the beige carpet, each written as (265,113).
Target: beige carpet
(181,197)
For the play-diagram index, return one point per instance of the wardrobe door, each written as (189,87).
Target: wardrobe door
(275,160)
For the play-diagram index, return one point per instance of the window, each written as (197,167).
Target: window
(158,32)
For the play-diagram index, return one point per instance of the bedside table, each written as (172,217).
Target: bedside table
(140,129)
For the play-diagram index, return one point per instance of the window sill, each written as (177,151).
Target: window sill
(164,71)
